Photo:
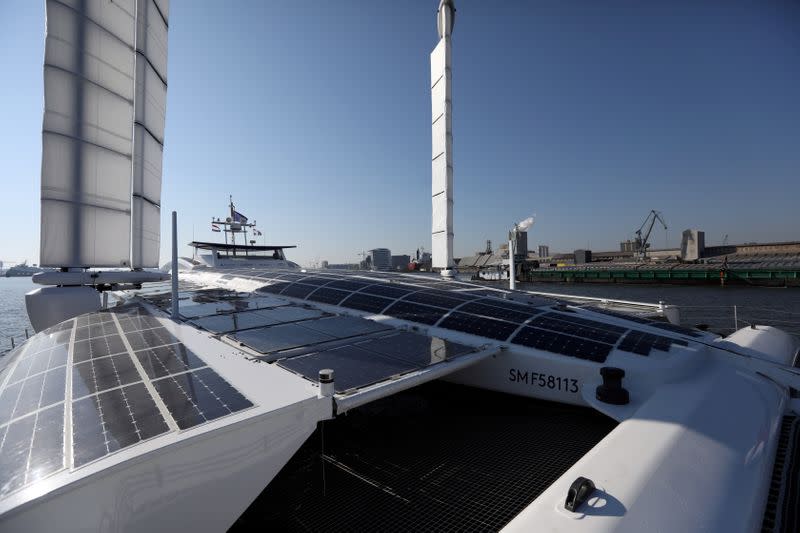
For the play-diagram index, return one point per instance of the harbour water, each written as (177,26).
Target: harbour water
(779,307)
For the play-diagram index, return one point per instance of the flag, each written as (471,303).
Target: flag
(240,218)
(214,227)
(256,232)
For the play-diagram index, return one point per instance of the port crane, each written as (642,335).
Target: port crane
(641,243)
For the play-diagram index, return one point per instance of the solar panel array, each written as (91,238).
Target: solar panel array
(107,372)
(541,324)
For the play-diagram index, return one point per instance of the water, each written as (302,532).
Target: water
(13,317)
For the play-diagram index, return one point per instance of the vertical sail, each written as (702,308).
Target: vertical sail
(87,139)
(442,143)
(103,132)
(148,130)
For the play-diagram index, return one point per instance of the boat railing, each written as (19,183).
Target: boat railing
(9,342)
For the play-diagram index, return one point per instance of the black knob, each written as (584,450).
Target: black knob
(612,391)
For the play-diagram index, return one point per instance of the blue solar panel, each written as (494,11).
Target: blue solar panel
(479,325)
(549,341)
(415,312)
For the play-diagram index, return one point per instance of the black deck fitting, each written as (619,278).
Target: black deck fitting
(578,492)
(612,391)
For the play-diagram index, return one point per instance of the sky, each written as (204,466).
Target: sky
(315,116)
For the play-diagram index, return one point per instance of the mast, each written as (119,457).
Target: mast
(442,142)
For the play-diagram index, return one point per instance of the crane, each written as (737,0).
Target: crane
(640,242)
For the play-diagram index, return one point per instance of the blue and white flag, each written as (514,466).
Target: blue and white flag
(214,227)
(240,218)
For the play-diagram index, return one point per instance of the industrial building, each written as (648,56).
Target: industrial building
(544,251)
(379,259)
(400,262)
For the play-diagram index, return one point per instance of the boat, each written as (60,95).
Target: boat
(237,377)
(23,270)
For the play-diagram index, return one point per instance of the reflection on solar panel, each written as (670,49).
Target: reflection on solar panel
(578,330)
(479,325)
(145,338)
(274,288)
(586,322)
(96,375)
(166,360)
(492,311)
(199,396)
(376,359)
(317,281)
(641,343)
(233,321)
(281,337)
(98,347)
(676,329)
(328,296)
(344,326)
(366,302)
(415,312)
(562,344)
(352,366)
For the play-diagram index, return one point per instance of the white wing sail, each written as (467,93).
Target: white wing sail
(93,81)
(441,157)
(150,112)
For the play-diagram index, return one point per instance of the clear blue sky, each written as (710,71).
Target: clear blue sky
(316,116)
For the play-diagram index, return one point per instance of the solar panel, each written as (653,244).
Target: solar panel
(291,313)
(479,325)
(138,323)
(194,310)
(676,329)
(625,316)
(345,326)
(166,360)
(234,321)
(366,302)
(282,337)
(511,306)
(31,448)
(146,338)
(112,420)
(199,396)
(348,285)
(578,330)
(95,330)
(352,366)
(549,341)
(298,290)
(275,288)
(316,280)
(420,350)
(96,375)
(384,289)
(433,298)
(97,347)
(492,311)
(328,296)
(415,312)
(586,322)
(641,343)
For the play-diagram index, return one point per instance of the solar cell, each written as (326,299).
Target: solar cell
(95,330)
(97,347)
(328,296)
(420,350)
(31,448)
(586,322)
(275,288)
(511,306)
(282,337)
(641,343)
(194,310)
(626,316)
(234,321)
(366,302)
(199,396)
(345,326)
(562,344)
(433,298)
(103,373)
(479,325)
(492,311)
(291,313)
(352,366)
(415,312)
(384,289)
(298,290)
(106,422)
(578,330)
(139,340)
(348,285)
(166,360)
(138,322)
(316,280)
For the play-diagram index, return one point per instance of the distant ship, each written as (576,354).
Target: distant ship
(23,270)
